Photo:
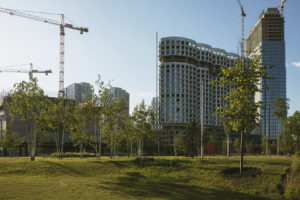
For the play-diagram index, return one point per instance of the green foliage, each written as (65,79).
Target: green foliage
(282,107)
(189,142)
(27,101)
(243,81)
(292,188)
(292,133)
(10,139)
(144,119)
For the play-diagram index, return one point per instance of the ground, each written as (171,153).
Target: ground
(172,178)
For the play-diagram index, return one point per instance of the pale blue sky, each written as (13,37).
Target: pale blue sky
(121,42)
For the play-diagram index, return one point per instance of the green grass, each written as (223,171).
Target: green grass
(124,178)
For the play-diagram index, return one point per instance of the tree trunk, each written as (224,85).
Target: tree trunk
(96,139)
(228,153)
(100,140)
(175,150)
(242,154)
(278,142)
(142,148)
(131,147)
(62,143)
(139,148)
(57,143)
(158,147)
(32,156)
(81,149)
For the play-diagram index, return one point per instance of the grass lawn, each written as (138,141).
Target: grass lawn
(123,178)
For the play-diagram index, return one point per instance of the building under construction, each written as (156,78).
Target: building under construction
(185,92)
(268,34)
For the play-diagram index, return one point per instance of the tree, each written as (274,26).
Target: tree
(188,142)
(28,103)
(243,81)
(143,124)
(179,146)
(58,117)
(79,133)
(227,130)
(102,98)
(114,126)
(280,112)
(10,139)
(292,131)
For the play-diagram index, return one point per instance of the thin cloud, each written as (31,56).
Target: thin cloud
(296,64)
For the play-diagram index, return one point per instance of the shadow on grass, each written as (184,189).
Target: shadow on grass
(247,171)
(57,168)
(137,185)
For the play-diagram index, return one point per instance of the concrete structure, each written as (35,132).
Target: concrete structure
(78,91)
(118,93)
(185,65)
(268,33)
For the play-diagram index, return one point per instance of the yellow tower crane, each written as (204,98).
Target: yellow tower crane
(62,25)
(281,6)
(31,71)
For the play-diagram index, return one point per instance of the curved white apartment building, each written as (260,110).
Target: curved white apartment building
(184,65)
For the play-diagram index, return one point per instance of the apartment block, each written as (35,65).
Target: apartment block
(185,72)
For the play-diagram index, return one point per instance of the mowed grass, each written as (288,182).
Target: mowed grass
(123,178)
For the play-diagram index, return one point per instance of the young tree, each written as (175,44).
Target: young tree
(114,126)
(79,132)
(28,103)
(280,112)
(143,124)
(292,131)
(58,117)
(243,80)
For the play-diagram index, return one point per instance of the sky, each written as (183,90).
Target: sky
(121,43)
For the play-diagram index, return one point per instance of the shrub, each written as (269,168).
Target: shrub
(73,154)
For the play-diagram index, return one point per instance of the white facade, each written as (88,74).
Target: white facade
(184,65)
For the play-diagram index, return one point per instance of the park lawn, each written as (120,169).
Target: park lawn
(124,178)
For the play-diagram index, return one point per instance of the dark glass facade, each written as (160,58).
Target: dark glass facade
(274,56)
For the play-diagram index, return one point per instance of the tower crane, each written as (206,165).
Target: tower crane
(281,6)
(243,29)
(31,71)
(62,25)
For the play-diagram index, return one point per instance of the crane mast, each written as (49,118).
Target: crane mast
(62,25)
(243,29)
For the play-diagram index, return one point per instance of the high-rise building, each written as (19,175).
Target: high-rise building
(268,34)
(78,91)
(118,93)
(186,66)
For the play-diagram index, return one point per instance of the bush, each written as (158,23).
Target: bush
(73,154)
(292,189)
(297,154)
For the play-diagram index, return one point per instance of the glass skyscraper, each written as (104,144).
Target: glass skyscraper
(268,34)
